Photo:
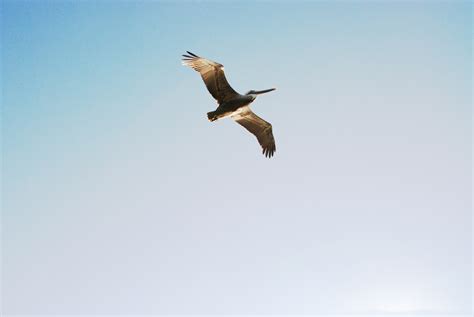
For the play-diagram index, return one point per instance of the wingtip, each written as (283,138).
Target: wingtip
(192,54)
(268,153)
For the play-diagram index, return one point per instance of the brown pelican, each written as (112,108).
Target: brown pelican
(232,104)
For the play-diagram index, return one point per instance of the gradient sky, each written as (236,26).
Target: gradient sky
(120,197)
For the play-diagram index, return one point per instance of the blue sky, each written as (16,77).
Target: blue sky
(120,197)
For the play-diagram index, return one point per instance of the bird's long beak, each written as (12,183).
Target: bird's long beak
(258,92)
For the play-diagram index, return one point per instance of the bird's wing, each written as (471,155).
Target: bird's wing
(213,75)
(258,127)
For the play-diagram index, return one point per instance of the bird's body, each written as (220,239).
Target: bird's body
(232,107)
(231,103)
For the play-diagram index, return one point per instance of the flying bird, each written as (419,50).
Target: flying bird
(231,103)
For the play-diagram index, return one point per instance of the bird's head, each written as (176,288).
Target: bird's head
(258,92)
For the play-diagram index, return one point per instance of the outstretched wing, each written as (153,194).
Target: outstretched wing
(258,127)
(213,75)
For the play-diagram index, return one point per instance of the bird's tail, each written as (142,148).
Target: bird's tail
(212,116)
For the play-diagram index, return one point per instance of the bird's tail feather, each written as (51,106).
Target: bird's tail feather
(212,116)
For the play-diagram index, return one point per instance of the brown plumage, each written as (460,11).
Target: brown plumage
(213,75)
(258,127)
(232,104)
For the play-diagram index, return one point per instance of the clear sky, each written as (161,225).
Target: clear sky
(120,197)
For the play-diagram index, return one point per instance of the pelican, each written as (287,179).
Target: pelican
(231,103)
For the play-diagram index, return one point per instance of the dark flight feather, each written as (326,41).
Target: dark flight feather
(213,76)
(260,128)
